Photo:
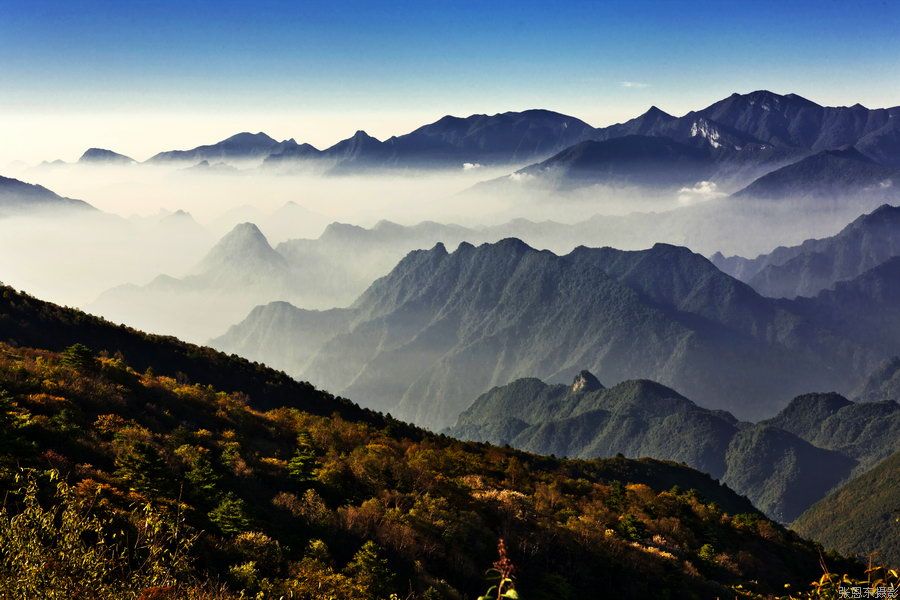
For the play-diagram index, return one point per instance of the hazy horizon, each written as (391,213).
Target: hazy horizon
(143,79)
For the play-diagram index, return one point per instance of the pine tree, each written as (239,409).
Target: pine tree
(230,516)
(138,463)
(302,465)
(79,357)
(372,571)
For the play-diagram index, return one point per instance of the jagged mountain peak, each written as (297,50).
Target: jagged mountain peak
(362,135)
(654,112)
(585,382)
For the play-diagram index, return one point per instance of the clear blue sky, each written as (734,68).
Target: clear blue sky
(308,69)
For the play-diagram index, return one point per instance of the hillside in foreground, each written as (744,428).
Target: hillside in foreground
(217,492)
(863,514)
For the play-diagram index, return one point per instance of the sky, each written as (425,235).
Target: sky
(144,76)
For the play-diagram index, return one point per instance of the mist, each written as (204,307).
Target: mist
(139,259)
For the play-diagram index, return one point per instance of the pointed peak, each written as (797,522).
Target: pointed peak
(245,232)
(585,382)
(656,112)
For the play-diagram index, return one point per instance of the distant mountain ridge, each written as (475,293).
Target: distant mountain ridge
(452,141)
(443,327)
(744,139)
(816,265)
(760,126)
(19,198)
(829,174)
(631,159)
(241,146)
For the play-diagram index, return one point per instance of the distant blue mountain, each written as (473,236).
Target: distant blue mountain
(242,146)
(18,197)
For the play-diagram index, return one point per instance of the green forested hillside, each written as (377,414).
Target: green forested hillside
(783,464)
(862,517)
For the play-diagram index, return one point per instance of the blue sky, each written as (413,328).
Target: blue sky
(319,70)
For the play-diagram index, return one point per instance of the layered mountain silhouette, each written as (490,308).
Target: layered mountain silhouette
(239,272)
(783,464)
(507,138)
(760,130)
(443,327)
(20,198)
(744,139)
(819,264)
(862,310)
(629,160)
(830,175)
(763,118)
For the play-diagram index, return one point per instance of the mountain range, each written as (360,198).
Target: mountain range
(819,264)
(783,464)
(240,147)
(241,270)
(346,259)
(442,327)
(763,118)
(759,128)
(828,176)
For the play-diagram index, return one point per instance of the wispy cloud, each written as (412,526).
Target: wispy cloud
(702,190)
(633,84)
